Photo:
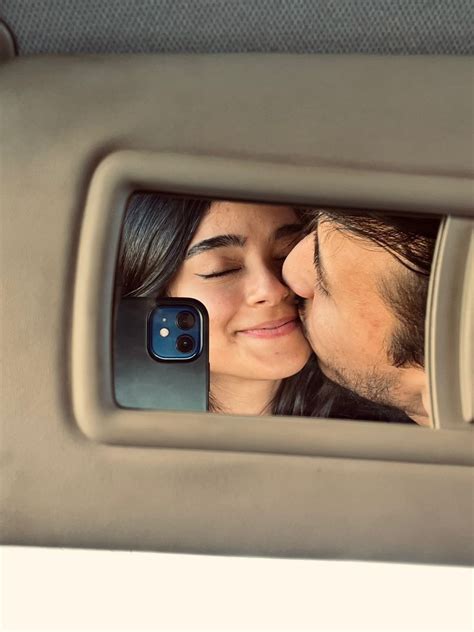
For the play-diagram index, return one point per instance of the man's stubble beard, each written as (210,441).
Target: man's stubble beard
(371,384)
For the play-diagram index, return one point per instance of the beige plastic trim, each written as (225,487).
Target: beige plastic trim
(95,411)
(450,326)
(301,488)
(467,338)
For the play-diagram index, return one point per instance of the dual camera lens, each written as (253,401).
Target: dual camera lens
(185,343)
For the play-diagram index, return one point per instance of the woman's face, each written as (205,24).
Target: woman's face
(233,266)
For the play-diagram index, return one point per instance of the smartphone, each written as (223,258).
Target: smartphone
(161,354)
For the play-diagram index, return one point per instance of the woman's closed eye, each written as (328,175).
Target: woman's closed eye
(220,273)
(232,268)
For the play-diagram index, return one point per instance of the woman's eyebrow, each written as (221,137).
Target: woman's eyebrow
(220,241)
(287,230)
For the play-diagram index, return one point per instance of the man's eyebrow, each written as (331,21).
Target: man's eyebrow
(287,231)
(220,241)
(318,264)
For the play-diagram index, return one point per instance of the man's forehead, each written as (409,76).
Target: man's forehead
(345,252)
(333,234)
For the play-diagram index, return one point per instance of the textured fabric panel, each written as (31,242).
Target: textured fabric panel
(207,26)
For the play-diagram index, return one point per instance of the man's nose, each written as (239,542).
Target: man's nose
(298,268)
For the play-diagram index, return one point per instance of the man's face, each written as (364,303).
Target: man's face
(347,321)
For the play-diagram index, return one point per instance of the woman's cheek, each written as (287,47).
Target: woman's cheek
(221,306)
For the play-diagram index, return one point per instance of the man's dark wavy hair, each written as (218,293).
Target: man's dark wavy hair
(411,240)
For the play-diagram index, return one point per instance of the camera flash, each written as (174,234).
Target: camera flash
(164,332)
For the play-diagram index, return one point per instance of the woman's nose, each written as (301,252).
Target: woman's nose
(266,287)
(298,268)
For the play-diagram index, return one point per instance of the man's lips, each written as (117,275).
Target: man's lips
(272,328)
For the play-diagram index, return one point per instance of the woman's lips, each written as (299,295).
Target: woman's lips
(272,329)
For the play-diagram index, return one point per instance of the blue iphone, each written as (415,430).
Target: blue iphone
(161,354)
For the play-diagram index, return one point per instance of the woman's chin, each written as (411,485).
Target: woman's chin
(257,368)
(286,358)
(279,367)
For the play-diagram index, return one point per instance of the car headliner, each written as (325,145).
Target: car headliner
(384,27)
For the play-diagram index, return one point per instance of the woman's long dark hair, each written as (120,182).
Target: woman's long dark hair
(156,234)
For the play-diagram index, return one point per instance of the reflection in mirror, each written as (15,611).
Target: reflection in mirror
(312,312)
